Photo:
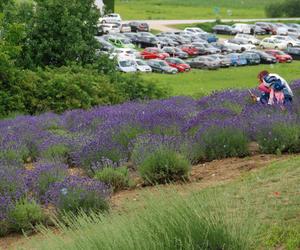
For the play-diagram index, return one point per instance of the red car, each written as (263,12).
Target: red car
(179,64)
(154,53)
(191,50)
(280,56)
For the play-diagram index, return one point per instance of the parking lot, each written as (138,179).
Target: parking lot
(136,49)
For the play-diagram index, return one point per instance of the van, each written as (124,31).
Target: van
(242,28)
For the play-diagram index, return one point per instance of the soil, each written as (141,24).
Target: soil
(202,176)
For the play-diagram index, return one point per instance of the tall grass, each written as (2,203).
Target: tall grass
(245,214)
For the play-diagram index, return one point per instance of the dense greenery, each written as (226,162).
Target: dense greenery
(48,60)
(288,8)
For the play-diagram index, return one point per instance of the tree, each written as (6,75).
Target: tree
(62,31)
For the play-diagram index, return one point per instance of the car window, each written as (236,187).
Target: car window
(126,63)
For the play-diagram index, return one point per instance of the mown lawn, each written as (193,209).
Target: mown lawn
(258,211)
(202,82)
(191,9)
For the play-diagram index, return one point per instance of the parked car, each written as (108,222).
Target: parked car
(272,43)
(289,41)
(206,49)
(194,30)
(131,36)
(224,49)
(257,30)
(247,38)
(266,26)
(126,65)
(241,28)
(111,18)
(210,38)
(167,41)
(178,64)
(175,52)
(104,46)
(203,62)
(295,33)
(189,49)
(142,66)
(146,41)
(121,42)
(224,29)
(237,59)
(238,46)
(280,29)
(125,28)
(294,25)
(293,52)
(264,57)
(222,60)
(252,58)
(139,26)
(154,53)
(145,34)
(108,28)
(124,53)
(161,66)
(280,56)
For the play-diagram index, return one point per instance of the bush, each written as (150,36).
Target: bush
(274,10)
(220,143)
(117,178)
(57,152)
(75,194)
(25,214)
(163,166)
(279,139)
(4,227)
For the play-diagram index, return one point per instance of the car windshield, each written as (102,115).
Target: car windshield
(177,50)
(280,53)
(141,63)
(177,61)
(126,63)
(125,41)
(162,63)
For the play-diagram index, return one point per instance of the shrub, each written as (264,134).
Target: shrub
(4,227)
(117,178)
(74,194)
(25,214)
(220,143)
(164,165)
(56,152)
(43,176)
(280,138)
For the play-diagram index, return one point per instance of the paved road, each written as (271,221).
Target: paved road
(162,25)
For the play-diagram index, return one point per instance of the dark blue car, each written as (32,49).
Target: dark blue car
(210,38)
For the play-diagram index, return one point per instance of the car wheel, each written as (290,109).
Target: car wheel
(261,46)
(103,21)
(290,45)
(276,47)
(250,42)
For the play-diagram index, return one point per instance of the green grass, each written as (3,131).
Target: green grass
(202,82)
(190,9)
(258,211)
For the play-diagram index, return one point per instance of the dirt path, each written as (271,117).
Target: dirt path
(202,176)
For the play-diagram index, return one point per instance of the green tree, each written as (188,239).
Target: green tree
(62,31)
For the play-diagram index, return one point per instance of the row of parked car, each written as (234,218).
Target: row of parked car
(171,52)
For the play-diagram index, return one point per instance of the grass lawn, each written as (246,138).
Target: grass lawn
(190,9)
(201,82)
(258,211)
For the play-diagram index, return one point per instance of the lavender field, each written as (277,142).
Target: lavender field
(36,152)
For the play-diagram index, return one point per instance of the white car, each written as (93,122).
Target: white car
(124,53)
(294,33)
(109,28)
(272,43)
(241,28)
(247,38)
(238,47)
(125,27)
(290,42)
(126,65)
(111,18)
(194,30)
(142,66)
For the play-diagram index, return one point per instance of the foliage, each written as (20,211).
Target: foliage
(25,215)
(117,178)
(288,8)
(279,139)
(164,166)
(75,194)
(225,142)
(61,32)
